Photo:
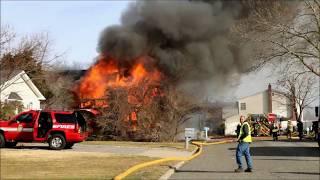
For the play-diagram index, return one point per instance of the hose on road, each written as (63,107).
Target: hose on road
(150,163)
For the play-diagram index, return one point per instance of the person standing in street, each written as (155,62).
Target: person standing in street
(300,129)
(275,131)
(315,129)
(243,147)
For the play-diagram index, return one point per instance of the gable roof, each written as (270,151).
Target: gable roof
(264,91)
(8,79)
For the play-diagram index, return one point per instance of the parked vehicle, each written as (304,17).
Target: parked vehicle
(60,129)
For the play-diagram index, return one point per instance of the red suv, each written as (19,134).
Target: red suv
(60,129)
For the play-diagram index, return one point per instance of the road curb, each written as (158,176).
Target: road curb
(169,173)
(159,161)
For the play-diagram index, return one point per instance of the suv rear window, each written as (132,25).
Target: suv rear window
(65,118)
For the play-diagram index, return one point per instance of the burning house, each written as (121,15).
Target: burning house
(160,46)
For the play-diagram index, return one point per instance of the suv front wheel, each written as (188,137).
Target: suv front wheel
(57,142)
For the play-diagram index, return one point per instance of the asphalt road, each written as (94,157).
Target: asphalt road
(271,160)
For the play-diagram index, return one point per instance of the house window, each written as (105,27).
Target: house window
(243,106)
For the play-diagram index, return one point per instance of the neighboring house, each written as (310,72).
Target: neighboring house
(17,86)
(264,102)
(309,116)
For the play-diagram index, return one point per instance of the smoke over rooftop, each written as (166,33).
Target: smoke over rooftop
(189,41)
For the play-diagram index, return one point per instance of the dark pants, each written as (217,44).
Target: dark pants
(300,135)
(275,136)
(243,149)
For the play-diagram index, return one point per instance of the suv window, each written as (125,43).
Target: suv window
(65,118)
(25,118)
(45,118)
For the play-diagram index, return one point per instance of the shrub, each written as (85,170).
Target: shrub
(9,109)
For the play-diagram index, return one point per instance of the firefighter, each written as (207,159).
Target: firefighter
(300,129)
(315,129)
(256,127)
(289,129)
(275,131)
(243,147)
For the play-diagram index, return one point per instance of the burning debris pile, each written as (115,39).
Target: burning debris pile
(185,46)
(106,75)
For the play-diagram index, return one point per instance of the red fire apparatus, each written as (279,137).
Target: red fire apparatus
(60,129)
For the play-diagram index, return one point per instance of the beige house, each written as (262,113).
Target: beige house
(17,86)
(264,102)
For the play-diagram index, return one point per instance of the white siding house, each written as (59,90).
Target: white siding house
(19,87)
(264,102)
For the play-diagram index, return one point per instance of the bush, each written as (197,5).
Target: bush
(9,109)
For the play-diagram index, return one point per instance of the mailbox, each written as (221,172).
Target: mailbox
(190,133)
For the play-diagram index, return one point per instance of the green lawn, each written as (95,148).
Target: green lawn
(48,164)
(175,145)
(45,164)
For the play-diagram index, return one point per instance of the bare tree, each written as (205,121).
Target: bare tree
(299,43)
(62,95)
(293,40)
(7,35)
(147,111)
(31,53)
(300,90)
(286,32)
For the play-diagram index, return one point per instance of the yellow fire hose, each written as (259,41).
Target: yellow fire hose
(150,163)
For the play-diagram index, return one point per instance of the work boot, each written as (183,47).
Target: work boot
(248,170)
(238,170)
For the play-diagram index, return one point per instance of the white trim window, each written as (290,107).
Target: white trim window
(243,106)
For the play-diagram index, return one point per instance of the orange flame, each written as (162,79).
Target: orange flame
(107,74)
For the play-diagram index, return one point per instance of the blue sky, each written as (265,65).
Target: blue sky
(73,26)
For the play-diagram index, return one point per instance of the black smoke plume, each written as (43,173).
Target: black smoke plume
(190,41)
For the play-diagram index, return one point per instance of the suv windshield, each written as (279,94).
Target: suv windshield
(25,118)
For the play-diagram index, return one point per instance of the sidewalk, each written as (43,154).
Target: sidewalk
(110,149)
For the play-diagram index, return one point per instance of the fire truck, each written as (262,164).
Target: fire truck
(60,129)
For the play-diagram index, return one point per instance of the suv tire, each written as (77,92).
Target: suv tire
(69,145)
(2,141)
(57,142)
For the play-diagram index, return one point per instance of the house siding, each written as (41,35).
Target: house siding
(30,100)
(259,104)
(256,104)
(231,125)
